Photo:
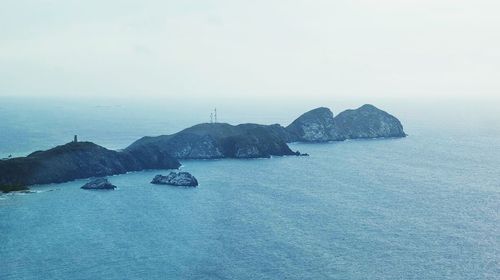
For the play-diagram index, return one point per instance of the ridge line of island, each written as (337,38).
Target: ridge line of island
(80,160)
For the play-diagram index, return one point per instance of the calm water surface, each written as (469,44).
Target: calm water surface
(423,207)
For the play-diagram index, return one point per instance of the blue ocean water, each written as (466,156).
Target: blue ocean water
(423,207)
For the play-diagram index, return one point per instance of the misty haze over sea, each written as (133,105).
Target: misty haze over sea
(34,123)
(413,193)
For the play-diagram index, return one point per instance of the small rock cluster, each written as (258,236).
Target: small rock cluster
(184,179)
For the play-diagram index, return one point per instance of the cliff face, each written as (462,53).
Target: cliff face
(319,125)
(313,126)
(219,140)
(366,122)
(76,161)
(204,141)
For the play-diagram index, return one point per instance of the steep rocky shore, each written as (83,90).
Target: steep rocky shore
(77,160)
(220,140)
(314,126)
(320,125)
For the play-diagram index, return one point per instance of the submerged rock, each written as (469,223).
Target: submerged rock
(99,184)
(176,179)
(26,191)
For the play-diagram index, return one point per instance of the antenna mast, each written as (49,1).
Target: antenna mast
(215,115)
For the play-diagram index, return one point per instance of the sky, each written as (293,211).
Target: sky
(291,49)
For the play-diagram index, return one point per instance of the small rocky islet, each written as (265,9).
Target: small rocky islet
(80,160)
(99,184)
(182,179)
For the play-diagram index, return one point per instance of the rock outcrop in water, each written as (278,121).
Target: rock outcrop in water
(220,140)
(319,125)
(184,179)
(78,160)
(99,184)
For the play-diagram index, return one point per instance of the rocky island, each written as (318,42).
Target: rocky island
(99,184)
(78,160)
(183,179)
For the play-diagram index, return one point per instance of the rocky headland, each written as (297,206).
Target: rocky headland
(78,160)
(320,125)
(220,140)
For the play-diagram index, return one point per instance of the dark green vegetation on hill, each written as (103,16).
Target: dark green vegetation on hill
(77,160)
(220,140)
(11,188)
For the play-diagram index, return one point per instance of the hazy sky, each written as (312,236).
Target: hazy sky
(284,49)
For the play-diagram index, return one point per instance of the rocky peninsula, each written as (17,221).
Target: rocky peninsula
(78,160)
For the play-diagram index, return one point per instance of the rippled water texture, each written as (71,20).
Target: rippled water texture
(423,207)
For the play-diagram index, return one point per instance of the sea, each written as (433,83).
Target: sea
(421,207)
